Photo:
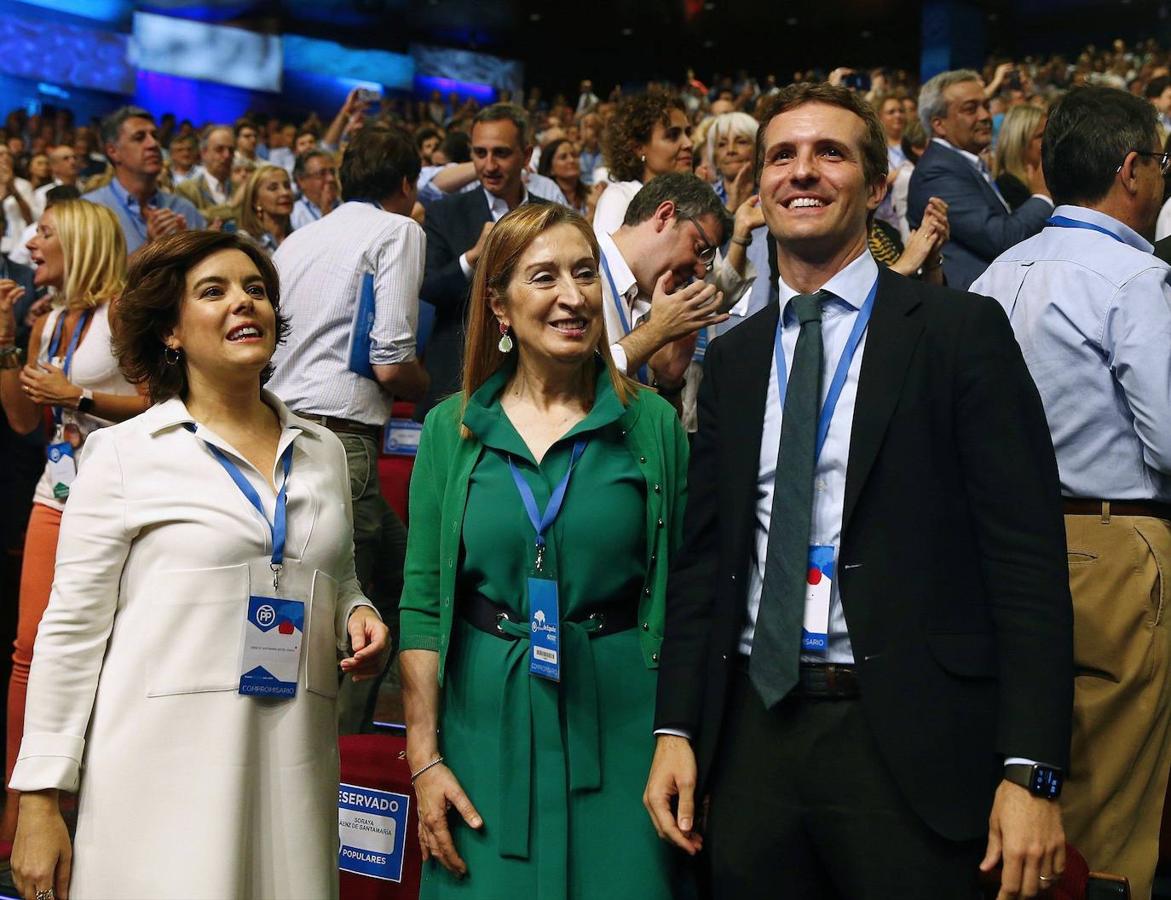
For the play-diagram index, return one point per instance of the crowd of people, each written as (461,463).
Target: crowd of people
(923,329)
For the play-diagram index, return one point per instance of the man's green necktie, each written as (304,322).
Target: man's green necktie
(776,645)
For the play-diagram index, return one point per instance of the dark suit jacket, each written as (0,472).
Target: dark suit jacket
(952,562)
(453,226)
(981,228)
(22,275)
(1162,249)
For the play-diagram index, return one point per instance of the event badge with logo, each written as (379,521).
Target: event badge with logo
(818,587)
(62,467)
(273,635)
(544,611)
(545,626)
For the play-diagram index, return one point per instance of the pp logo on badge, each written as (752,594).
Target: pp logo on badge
(266,615)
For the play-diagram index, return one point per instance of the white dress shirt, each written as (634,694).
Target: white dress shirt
(850,288)
(15,221)
(322,267)
(611,208)
(40,197)
(634,306)
(497,208)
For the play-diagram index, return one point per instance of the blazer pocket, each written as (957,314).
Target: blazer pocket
(197,627)
(321,671)
(967,654)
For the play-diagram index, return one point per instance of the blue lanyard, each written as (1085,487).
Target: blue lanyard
(843,369)
(55,344)
(1066,222)
(278,527)
(310,208)
(642,370)
(541,523)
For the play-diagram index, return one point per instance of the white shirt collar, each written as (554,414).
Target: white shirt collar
(1123,231)
(851,285)
(624,281)
(970,157)
(496,205)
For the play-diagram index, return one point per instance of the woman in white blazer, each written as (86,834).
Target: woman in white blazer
(186,670)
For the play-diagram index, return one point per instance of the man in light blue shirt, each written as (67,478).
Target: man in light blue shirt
(145,212)
(1091,309)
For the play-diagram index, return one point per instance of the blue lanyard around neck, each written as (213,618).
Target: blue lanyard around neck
(840,374)
(278,527)
(542,522)
(55,345)
(1066,222)
(642,370)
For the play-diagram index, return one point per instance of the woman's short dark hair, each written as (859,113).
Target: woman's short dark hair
(1089,133)
(631,127)
(149,308)
(375,163)
(545,167)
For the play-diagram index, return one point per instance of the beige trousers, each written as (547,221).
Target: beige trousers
(1121,750)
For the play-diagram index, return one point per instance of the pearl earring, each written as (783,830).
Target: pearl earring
(505,343)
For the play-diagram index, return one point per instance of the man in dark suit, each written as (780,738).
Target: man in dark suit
(457,228)
(868,646)
(955,114)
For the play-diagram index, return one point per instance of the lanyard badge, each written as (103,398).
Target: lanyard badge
(821,565)
(274,625)
(541,589)
(61,451)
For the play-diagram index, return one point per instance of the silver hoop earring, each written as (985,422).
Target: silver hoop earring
(172,355)
(504,345)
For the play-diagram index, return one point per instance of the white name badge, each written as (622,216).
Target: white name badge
(271,658)
(62,468)
(274,628)
(818,588)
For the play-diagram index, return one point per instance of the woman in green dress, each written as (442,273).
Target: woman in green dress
(546,500)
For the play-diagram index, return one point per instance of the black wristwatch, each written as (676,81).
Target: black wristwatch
(85,402)
(1040,781)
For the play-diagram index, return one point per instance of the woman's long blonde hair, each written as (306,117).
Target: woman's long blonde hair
(1016,131)
(249,219)
(94,251)
(506,244)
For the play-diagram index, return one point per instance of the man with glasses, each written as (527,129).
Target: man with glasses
(654,298)
(316,175)
(1091,308)
(955,114)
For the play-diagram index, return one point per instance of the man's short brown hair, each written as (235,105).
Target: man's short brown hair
(874,157)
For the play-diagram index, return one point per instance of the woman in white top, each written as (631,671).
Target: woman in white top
(204,593)
(80,252)
(649,135)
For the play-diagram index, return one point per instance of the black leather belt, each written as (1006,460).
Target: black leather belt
(345,426)
(1080,506)
(485,615)
(822,681)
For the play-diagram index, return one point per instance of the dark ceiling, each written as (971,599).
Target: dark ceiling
(618,41)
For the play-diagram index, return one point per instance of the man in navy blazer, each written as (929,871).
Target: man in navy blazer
(955,113)
(457,228)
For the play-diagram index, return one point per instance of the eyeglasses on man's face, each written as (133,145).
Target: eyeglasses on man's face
(707,254)
(1163,158)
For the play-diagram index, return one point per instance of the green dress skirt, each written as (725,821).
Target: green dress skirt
(556,770)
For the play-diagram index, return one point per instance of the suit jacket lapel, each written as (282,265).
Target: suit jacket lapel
(745,392)
(891,337)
